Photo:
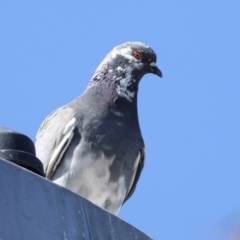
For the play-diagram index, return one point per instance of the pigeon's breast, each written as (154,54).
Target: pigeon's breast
(92,176)
(102,164)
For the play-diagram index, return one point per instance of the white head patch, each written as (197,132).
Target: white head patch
(124,83)
(126,52)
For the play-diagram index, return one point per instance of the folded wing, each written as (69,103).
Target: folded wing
(54,137)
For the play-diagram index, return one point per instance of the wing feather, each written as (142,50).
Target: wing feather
(54,137)
(138,167)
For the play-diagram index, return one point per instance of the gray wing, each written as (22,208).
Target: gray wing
(54,137)
(138,167)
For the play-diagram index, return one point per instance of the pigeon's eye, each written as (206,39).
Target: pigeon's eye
(137,54)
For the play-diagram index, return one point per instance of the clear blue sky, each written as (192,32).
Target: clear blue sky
(190,119)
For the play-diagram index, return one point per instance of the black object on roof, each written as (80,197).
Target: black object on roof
(19,149)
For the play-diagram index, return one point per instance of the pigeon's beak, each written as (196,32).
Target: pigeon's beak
(155,69)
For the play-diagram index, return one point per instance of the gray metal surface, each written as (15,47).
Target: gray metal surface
(32,207)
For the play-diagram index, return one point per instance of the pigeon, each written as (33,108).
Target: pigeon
(93,145)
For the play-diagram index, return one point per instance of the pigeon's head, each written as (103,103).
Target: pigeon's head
(124,67)
(136,57)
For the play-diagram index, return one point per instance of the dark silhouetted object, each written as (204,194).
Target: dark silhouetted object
(19,149)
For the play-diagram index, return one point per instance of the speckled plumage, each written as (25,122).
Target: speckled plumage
(93,145)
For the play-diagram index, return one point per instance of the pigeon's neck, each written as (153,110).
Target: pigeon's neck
(114,90)
(119,80)
(102,96)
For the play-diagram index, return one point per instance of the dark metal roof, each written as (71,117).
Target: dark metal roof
(32,207)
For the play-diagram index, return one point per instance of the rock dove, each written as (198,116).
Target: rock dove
(93,145)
